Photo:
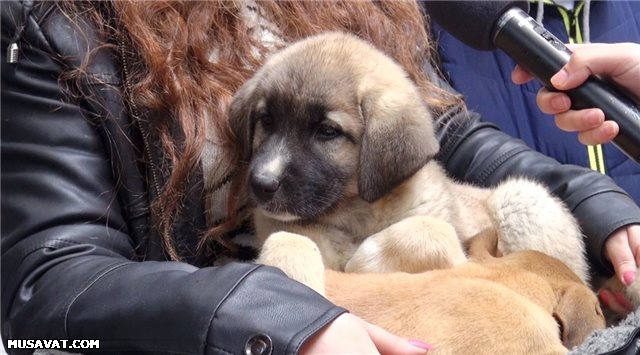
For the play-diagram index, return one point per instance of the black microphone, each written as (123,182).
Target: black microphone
(486,25)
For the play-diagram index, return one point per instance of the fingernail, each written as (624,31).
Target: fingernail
(560,102)
(593,118)
(611,129)
(604,297)
(629,277)
(420,344)
(560,78)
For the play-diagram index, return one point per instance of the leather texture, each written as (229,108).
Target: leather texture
(70,258)
(79,260)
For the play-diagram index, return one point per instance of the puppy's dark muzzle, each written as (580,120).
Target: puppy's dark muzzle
(264,186)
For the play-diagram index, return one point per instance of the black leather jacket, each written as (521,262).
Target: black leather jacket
(78,258)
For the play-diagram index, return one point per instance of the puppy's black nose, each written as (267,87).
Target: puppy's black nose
(264,185)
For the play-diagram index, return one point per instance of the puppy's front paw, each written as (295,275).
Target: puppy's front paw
(415,244)
(296,255)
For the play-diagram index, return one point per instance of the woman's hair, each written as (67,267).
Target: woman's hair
(171,45)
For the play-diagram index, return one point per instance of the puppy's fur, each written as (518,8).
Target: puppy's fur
(341,151)
(523,303)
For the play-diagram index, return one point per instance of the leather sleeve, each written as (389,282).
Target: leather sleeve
(67,269)
(478,152)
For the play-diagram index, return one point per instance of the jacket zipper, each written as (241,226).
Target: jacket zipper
(136,117)
(572,26)
(595,154)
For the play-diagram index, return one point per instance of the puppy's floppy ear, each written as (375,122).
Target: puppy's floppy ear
(240,112)
(398,140)
(578,313)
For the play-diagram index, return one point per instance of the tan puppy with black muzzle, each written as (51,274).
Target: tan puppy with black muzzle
(523,303)
(340,146)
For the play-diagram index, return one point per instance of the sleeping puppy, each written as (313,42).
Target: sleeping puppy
(522,303)
(341,149)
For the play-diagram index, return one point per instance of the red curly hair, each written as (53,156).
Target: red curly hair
(170,44)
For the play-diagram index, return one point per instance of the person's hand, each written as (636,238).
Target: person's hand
(349,334)
(622,249)
(619,62)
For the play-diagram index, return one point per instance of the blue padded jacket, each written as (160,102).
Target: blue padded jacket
(484,78)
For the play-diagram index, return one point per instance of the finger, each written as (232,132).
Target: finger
(577,69)
(633,233)
(618,251)
(520,76)
(610,301)
(552,102)
(596,59)
(388,343)
(600,135)
(580,120)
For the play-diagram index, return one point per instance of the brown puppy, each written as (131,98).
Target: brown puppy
(523,303)
(341,150)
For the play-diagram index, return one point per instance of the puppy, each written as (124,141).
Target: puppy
(341,149)
(523,303)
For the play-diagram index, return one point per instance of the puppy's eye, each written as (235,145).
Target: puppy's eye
(326,132)
(266,120)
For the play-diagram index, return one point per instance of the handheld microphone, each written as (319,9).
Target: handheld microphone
(486,25)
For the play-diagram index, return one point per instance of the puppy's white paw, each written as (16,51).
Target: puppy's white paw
(297,256)
(530,218)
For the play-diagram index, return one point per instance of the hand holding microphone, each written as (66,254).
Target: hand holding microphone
(619,62)
(487,25)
